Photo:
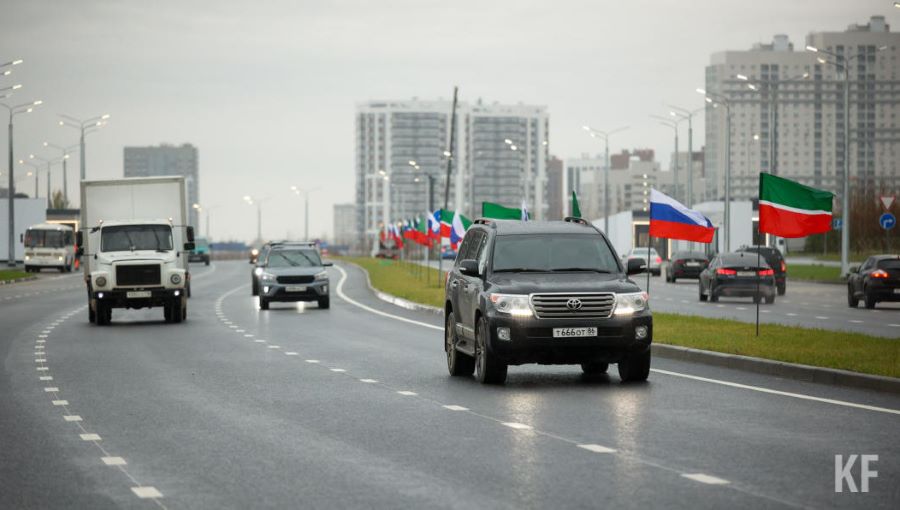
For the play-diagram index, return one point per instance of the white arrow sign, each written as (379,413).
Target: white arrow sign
(887,201)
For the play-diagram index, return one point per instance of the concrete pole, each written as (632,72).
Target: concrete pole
(845,200)
(65,180)
(11,261)
(306,216)
(49,201)
(83,168)
(727,177)
(606,189)
(690,161)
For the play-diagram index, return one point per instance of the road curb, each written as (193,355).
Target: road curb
(18,280)
(782,369)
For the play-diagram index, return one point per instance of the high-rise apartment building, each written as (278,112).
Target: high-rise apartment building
(344,225)
(500,156)
(557,195)
(787,111)
(629,187)
(167,159)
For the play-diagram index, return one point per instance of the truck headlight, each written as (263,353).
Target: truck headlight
(100,281)
(514,304)
(175,279)
(628,304)
(322,276)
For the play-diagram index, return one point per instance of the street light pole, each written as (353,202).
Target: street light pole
(84,128)
(715,100)
(605,136)
(672,123)
(684,113)
(65,152)
(13,111)
(49,163)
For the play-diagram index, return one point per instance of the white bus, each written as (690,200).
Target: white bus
(49,245)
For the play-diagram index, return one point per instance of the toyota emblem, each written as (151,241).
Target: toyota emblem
(574,304)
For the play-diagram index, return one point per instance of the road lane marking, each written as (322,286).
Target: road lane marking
(290,353)
(369,381)
(51,389)
(146,492)
(854,321)
(894,325)
(704,478)
(596,448)
(454,407)
(60,402)
(113,461)
(89,437)
(517,426)
(821,317)
(740,308)
(248,335)
(40,360)
(46,378)
(42,369)
(789,314)
(406,393)
(312,361)
(274,347)
(259,341)
(72,417)
(340,292)
(337,370)
(777,392)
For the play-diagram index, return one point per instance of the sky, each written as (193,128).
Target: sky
(267,90)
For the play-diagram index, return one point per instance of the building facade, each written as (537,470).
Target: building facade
(164,159)
(629,187)
(786,112)
(401,159)
(557,195)
(344,224)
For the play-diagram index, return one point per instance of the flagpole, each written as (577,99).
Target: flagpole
(758,278)
(649,244)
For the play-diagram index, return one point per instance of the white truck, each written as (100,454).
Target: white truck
(134,246)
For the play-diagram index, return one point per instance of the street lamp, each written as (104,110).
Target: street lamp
(672,123)
(305,192)
(65,152)
(842,64)
(682,114)
(13,111)
(605,136)
(11,87)
(34,170)
(47,162)
(85,127)
(258,202)
(747,176)
(716,99)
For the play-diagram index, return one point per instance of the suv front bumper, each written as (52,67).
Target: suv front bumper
(279,291)
(531,339)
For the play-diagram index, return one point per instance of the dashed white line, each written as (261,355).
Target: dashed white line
(113,461)
(60,402)
(46,378)
(854,321)
(290,353)
(259,341)
(790,314)
(274,347)
(369,381)
(821,317)
(89,437)
(338,370)
(454,407)
(312,361)
(704,478)
(42,369)
(407,393)
(40,360)
(248,335)
(517,426)
(51,389)
(72,417)
(596,448)
(146,492)
(894,325)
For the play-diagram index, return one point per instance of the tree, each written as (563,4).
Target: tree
(58,201)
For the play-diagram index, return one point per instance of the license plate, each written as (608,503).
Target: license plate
(897,291)
(746,273)
(295,288)
(573,332)
(692,264)
(133,294)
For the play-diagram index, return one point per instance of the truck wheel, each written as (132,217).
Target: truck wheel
(206,261)
(263,304)
(62,269)
(104,314)
(92,317)
(488,369)
(325,302)
(178,309)
(167,312)
(636,367)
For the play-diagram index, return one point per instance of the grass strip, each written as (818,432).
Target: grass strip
(815,273)
(816,347)
(12,274)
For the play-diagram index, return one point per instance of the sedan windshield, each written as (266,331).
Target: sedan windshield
(294,258)
(553,253)
(136,237)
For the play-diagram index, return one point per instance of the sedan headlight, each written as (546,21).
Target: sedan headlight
(266,277)
(513,304)
(100,281)
(628,304)
(322,276)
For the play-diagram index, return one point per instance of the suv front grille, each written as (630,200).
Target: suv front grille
(144,275)
(556,306)
(296,279)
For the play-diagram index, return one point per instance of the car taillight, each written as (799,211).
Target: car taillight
(658,260)
(783,267)
(724,271)
(767,272)
(879,273)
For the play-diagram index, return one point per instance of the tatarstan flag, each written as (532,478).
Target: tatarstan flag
(790,209)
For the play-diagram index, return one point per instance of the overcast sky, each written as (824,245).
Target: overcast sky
(266,89)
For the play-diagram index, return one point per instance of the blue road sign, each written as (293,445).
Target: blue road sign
(836,223)
(887,221)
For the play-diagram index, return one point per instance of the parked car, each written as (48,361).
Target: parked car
(737,275)
(293,272)
(641,254)
(775,260)
(686,264)
(544,292)
(877,279)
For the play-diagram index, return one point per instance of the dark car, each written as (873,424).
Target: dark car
(775,260)
(738,275)
(544,292)
(878,279)
(293,272)
(686,264)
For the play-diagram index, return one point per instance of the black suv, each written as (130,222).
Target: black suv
(544,292)
(775,260)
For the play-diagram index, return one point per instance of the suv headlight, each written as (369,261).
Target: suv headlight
(322,276)
(628,304)
(266,277)
(513,304)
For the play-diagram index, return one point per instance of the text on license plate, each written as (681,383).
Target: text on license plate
(692,264)
(295,288)
(573,332)
(746,273)
(132,294)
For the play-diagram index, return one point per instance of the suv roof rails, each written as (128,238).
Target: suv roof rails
(485,221)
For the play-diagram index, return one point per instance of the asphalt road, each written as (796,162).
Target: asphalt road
(813,305)
(352,407)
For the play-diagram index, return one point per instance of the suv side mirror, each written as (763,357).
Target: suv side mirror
(635,266)
(190,235)
(469,267)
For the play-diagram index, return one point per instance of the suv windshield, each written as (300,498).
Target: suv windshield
(553,253)
(136,237)
(294,258)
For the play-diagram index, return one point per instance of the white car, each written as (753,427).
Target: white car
(641,253)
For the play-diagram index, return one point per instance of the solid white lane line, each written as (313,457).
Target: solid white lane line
(146,492)
(777,392)
(113,461)
(456,408)
(703,478)
(72,417)
(406,393)
(596,448)
(517,426)
(340,292)
(369,381)
(89,437)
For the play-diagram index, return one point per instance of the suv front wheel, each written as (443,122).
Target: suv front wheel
(635,367)
(488,369)
(458,364)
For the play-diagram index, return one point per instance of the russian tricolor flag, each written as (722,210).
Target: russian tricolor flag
(672,220)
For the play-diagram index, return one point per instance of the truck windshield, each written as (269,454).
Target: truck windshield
(36,238)
(294,258)
(553,253)
(136,237)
